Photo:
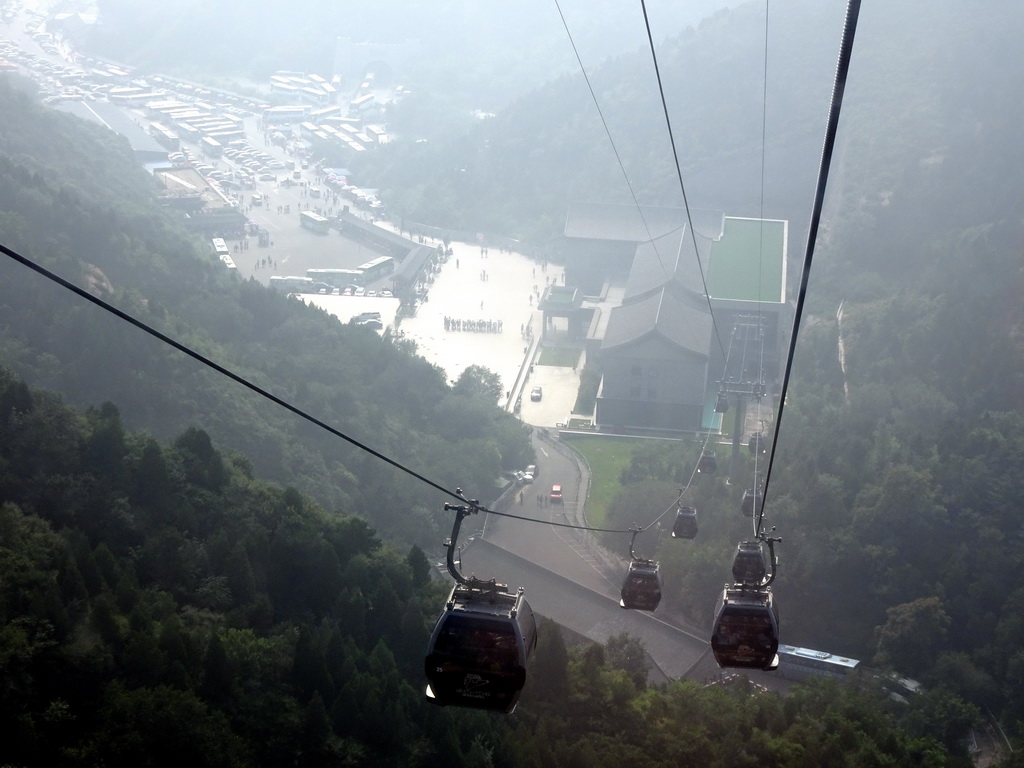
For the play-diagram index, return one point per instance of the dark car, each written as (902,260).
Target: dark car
(536,394)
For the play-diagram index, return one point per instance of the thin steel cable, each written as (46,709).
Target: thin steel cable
(611,141)
(679,175)
(760,266)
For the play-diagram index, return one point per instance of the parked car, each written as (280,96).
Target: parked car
(536,394)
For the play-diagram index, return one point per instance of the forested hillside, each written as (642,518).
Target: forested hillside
(73,199)
(925,77)
(161,606)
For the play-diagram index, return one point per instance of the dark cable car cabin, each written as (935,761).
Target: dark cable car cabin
(479,648)
(748,565)
(752,497)
(746,631)
(641,589)
(707,464)
(722,403)
(685,525)
(758,444)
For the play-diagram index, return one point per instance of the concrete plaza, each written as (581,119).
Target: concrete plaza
(474,285)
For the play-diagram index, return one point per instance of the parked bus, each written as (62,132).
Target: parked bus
(293,284)
(226,137)
(167,138)
(800,663)
(338,278)
(314,222)
(211,147)
(378,268)
(287,88)
(319,114)
(364,102)
(292,113)
(189,132)
(220,247)
(220,250)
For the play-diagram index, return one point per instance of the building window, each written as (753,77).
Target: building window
(652,393)
(634,391)
(636,370)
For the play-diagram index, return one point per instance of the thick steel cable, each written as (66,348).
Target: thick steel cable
(238,379)
(838,89)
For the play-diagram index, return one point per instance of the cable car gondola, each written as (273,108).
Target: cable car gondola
(641,589)
(685,525)
(752,497)
(482,641)
(748,565)
(480,647)
(746,631)
(722,403)
(758,444)
(707,464)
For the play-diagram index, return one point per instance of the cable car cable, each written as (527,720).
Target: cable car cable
(217,367)
(828,147)
(679,175)
(611,141)
(199,357)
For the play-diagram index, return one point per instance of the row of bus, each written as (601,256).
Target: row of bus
(367,273)
(220,250)
(328,280)
(194,122)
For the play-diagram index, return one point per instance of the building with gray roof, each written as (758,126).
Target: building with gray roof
(703,309)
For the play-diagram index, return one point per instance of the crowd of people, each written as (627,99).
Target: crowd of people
(473,326)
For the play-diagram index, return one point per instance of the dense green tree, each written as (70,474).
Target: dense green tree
(477,382)
(628,654)
(912,635)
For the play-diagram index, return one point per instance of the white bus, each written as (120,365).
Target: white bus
(211,147)
(220,248)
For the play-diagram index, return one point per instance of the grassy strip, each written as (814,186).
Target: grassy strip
(563,357)
(607,457)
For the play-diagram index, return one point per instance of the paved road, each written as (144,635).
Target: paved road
(570,577)
(589,613)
